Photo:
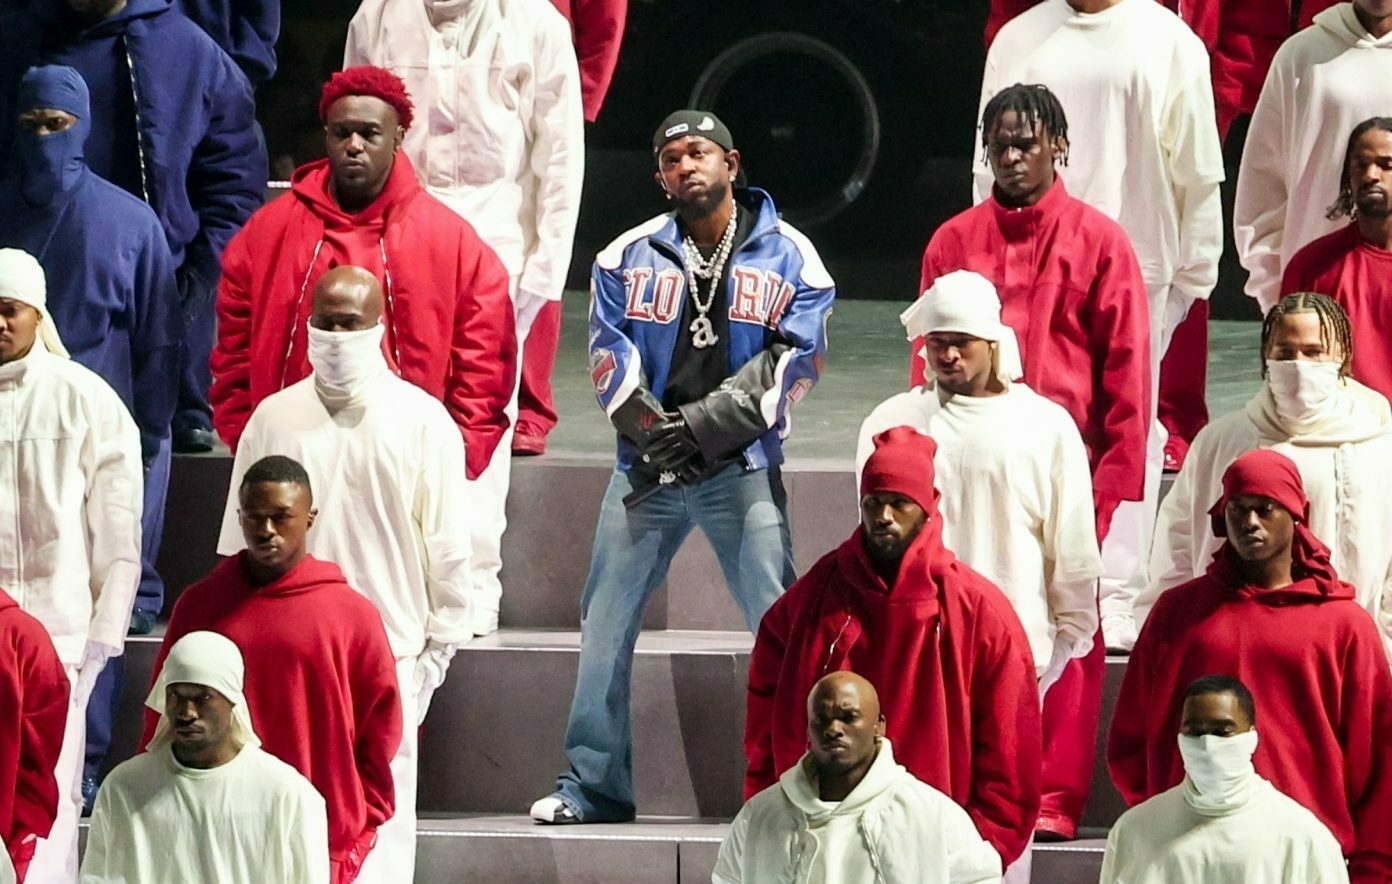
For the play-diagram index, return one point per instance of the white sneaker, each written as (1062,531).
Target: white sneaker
(553,811)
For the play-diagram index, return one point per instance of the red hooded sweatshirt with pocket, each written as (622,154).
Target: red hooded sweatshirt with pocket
(320,684)
(34,699)
(446,306)
(951,663)
(1314,662)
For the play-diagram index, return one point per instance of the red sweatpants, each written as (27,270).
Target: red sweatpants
(534,401)
(1072,712)
(1183,377)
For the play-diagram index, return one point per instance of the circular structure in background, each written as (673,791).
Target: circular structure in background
(803,116)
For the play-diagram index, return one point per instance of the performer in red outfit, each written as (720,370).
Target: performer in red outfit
(321,680)
(893,604)
(448,313)
(1354,265)
(598,27)
(1272,613)
(34,695)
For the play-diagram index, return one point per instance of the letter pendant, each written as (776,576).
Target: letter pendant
(702,333)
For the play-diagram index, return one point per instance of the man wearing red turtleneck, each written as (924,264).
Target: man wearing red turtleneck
(321,679)
(896,606)
(1071,288)
(448,313)
(1271,612)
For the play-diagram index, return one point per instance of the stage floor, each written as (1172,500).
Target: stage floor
(866,363)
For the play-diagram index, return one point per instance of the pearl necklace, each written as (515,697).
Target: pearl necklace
(702,332)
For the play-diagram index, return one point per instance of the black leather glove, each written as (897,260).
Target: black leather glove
(670,444)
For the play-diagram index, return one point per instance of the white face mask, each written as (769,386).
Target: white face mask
(1304,391)
(346,360)
(1219,767)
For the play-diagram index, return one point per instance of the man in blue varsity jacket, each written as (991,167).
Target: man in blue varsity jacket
(706,325)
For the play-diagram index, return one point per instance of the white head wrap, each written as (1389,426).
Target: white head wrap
(22,279)
(966,303)
(213,661)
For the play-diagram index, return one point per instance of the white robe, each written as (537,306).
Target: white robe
(387,470)
(1270,839)
(499,123)
(1324,81)
(253,820)
(891,829)
(1016,506)
(1344,467)
(1143,141)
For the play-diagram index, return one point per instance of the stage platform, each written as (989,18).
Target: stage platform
(494,738)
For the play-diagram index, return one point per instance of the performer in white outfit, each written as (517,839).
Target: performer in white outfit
(1224,824)
(372,441)
(1337,431)
(1144,150)
(205,803)
(1011,466)
(70,545)
(501,141)
(1324,81)
(848,813)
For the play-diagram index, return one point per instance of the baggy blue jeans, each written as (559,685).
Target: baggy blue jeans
(743,514)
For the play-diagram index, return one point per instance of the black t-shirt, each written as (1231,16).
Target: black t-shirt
(697,371)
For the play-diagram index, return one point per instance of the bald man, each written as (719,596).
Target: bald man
(367,438)
(846,783)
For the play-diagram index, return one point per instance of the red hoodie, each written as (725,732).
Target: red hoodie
(953,668)
(597,27)
(447,309)
(1071,288)
(320,683)
(1314,662)
(34,700)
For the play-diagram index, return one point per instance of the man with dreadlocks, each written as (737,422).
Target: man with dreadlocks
(1145,151)
(1072,290)
(1322,82)
(448,316)
(1336,431)
(1353,265)
(1270,610)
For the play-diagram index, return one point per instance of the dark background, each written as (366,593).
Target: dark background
(859,116)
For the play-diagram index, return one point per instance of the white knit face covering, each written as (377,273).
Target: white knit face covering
(1220,768)
(1305,392)
(346,360)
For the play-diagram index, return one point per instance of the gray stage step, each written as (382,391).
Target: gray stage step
(494,739)
(547,558)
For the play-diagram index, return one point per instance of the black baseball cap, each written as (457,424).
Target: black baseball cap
(682,123)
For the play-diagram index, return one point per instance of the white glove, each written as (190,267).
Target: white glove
(1063,652)
(1177,306)
(94,659)
(525,308)
(431,666)
(1119,631)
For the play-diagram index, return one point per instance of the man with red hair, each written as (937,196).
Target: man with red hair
(448,317)
(894,605)
(1271,612)
(35,688)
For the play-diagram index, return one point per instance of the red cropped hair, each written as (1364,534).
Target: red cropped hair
(370,80)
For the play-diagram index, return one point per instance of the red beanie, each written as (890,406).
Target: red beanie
(902,463)
(366,79)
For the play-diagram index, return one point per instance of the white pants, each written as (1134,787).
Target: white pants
(393,858)
(489,502)
(1019,871)
(1126,549)
(55,857)
(7,870)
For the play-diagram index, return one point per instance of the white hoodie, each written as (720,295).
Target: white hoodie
(1266,838)
(1143,139)
(1324,81)
(891,829)
(1346,468)
(499,125)
(71,501)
